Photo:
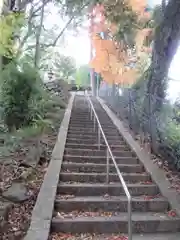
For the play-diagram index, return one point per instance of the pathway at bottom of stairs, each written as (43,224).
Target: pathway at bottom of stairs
(88,208)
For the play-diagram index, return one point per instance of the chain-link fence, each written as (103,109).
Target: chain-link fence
(159,132)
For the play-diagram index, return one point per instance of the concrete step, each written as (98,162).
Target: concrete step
(93,141)
(144,236)
(96,146)
(85,124)
(147,222)
(92,133)
(91,130)
(78,123)
(90,123)
(112,203)
(89,152)
(81,119)
(155,236)
(82,136)
(101,177)
(115,189)
(100,168)
(99,159)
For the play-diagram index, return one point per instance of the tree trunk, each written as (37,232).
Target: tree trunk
(163,5)
(38,35)
(166,42)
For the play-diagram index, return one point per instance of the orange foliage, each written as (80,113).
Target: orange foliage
(111,57)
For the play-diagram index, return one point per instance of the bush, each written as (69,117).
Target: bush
(171,144)
(18,87)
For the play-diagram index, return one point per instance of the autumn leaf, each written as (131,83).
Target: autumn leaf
(172,213)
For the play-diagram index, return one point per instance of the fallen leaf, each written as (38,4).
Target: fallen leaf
(172,213)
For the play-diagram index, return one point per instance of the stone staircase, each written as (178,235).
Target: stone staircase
(86,204)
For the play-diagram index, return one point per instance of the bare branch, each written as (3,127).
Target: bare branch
(42,45)
(40,7)
(32,14)
(64,28)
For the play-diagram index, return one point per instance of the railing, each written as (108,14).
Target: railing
(108,156)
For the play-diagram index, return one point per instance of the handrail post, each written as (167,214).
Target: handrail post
(94,120)
(107,166)
(129,219)
(99,138)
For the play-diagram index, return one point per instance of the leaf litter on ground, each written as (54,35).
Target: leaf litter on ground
(19,216)
(76,213)
(87,236)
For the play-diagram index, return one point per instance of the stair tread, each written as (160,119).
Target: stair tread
(93,185)
(121,217)
(102,140)
(62,198)
(155,236)
(96,144)
(103,174)
(92,150)
(118,157)
(144,236)
(99,164)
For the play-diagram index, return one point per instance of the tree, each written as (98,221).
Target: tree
(64,66)
(82,76)
(166,42)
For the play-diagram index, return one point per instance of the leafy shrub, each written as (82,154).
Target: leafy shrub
(170,144)
(18,86)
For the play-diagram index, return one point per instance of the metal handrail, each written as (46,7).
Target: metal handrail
(110,154)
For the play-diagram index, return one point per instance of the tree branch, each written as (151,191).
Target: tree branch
(40,7)
(53,44)
(32,14)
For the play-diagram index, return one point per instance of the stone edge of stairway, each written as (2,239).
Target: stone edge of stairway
(42,213)
(158,175)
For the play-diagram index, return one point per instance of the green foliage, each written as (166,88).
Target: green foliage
(64,66)
(172,139)
(121,14)
(29,131)
(9,25)
(72,7)
(83,76)
(18,86)
(42,123)
(173,133)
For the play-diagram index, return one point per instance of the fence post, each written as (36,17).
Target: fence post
(130,109)
(99,138)
(150,121)
(107,166)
